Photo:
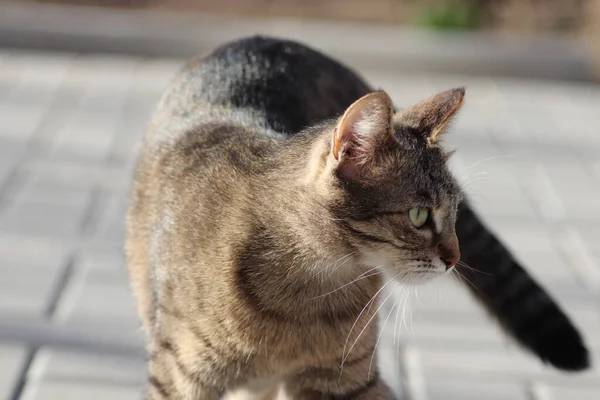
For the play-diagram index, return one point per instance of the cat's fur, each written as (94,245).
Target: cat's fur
(255,204)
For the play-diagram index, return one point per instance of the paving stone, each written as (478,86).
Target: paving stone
(12,359)
(495,191)
(91,127)
(46,210)
(30,269)
(53,365)
(108,220)
(10,155)
(28,291)
(23,107)
(89,134)
(78,173)
(520,234)
(94,296)
(574,393)
(21,121)
(102,263)
(79,390)
(577,189)
(588,233)
(476,362)
(471,389)
(549,268)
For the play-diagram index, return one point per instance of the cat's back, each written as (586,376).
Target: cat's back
(265,82)
(210,138)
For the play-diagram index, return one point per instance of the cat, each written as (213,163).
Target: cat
(275,194)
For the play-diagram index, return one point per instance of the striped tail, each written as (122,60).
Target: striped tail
(508,292)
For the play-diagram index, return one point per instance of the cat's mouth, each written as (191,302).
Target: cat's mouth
(420,271)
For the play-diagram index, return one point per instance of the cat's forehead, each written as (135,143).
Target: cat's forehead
(424,178)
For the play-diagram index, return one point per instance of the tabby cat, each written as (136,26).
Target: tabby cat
(275,195)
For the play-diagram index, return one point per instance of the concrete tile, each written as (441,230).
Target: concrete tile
(484,362)
(80,390)
(46,210)
(78,173)
(55,365)
(94,296)
(27,291)
(12,359)
(549,267)
(467,388)
(32,250)
(29,270)
(576,188)
(574,392)
(19,121)
(112,229)
(520,234)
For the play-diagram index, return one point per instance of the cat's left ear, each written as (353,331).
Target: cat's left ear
(361,131)
(430,117)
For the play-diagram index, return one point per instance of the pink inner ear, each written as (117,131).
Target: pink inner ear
(336,144)
(362,128)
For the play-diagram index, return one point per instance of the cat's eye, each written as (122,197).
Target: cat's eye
(418,216)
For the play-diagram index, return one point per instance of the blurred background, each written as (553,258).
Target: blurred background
(79,80)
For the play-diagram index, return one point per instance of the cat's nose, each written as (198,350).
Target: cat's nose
(450,261)
(448,251)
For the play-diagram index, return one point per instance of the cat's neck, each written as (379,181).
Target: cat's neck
(293,208)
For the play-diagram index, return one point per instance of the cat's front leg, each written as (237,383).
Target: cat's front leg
(355,383)
(169,378)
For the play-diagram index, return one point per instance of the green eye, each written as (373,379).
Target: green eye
(418,216)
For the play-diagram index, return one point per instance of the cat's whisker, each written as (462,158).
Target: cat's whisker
(375,314)
(401,296)
(492,158)
(410,313)
(471,177)
(367,306)
(417,296)
(381,329)
(360,277)
(462,276)
(343,260)
(347,258)
(464,185)
(465,265)
(406,308)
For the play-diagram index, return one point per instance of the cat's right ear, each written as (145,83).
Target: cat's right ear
(365,126)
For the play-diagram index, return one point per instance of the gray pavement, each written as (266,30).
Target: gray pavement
(529,153)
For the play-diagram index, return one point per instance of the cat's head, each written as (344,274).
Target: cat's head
(391,190)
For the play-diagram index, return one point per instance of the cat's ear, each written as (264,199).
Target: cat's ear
(430,117)
(365,126)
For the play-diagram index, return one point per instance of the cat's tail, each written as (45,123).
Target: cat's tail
(521,305)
